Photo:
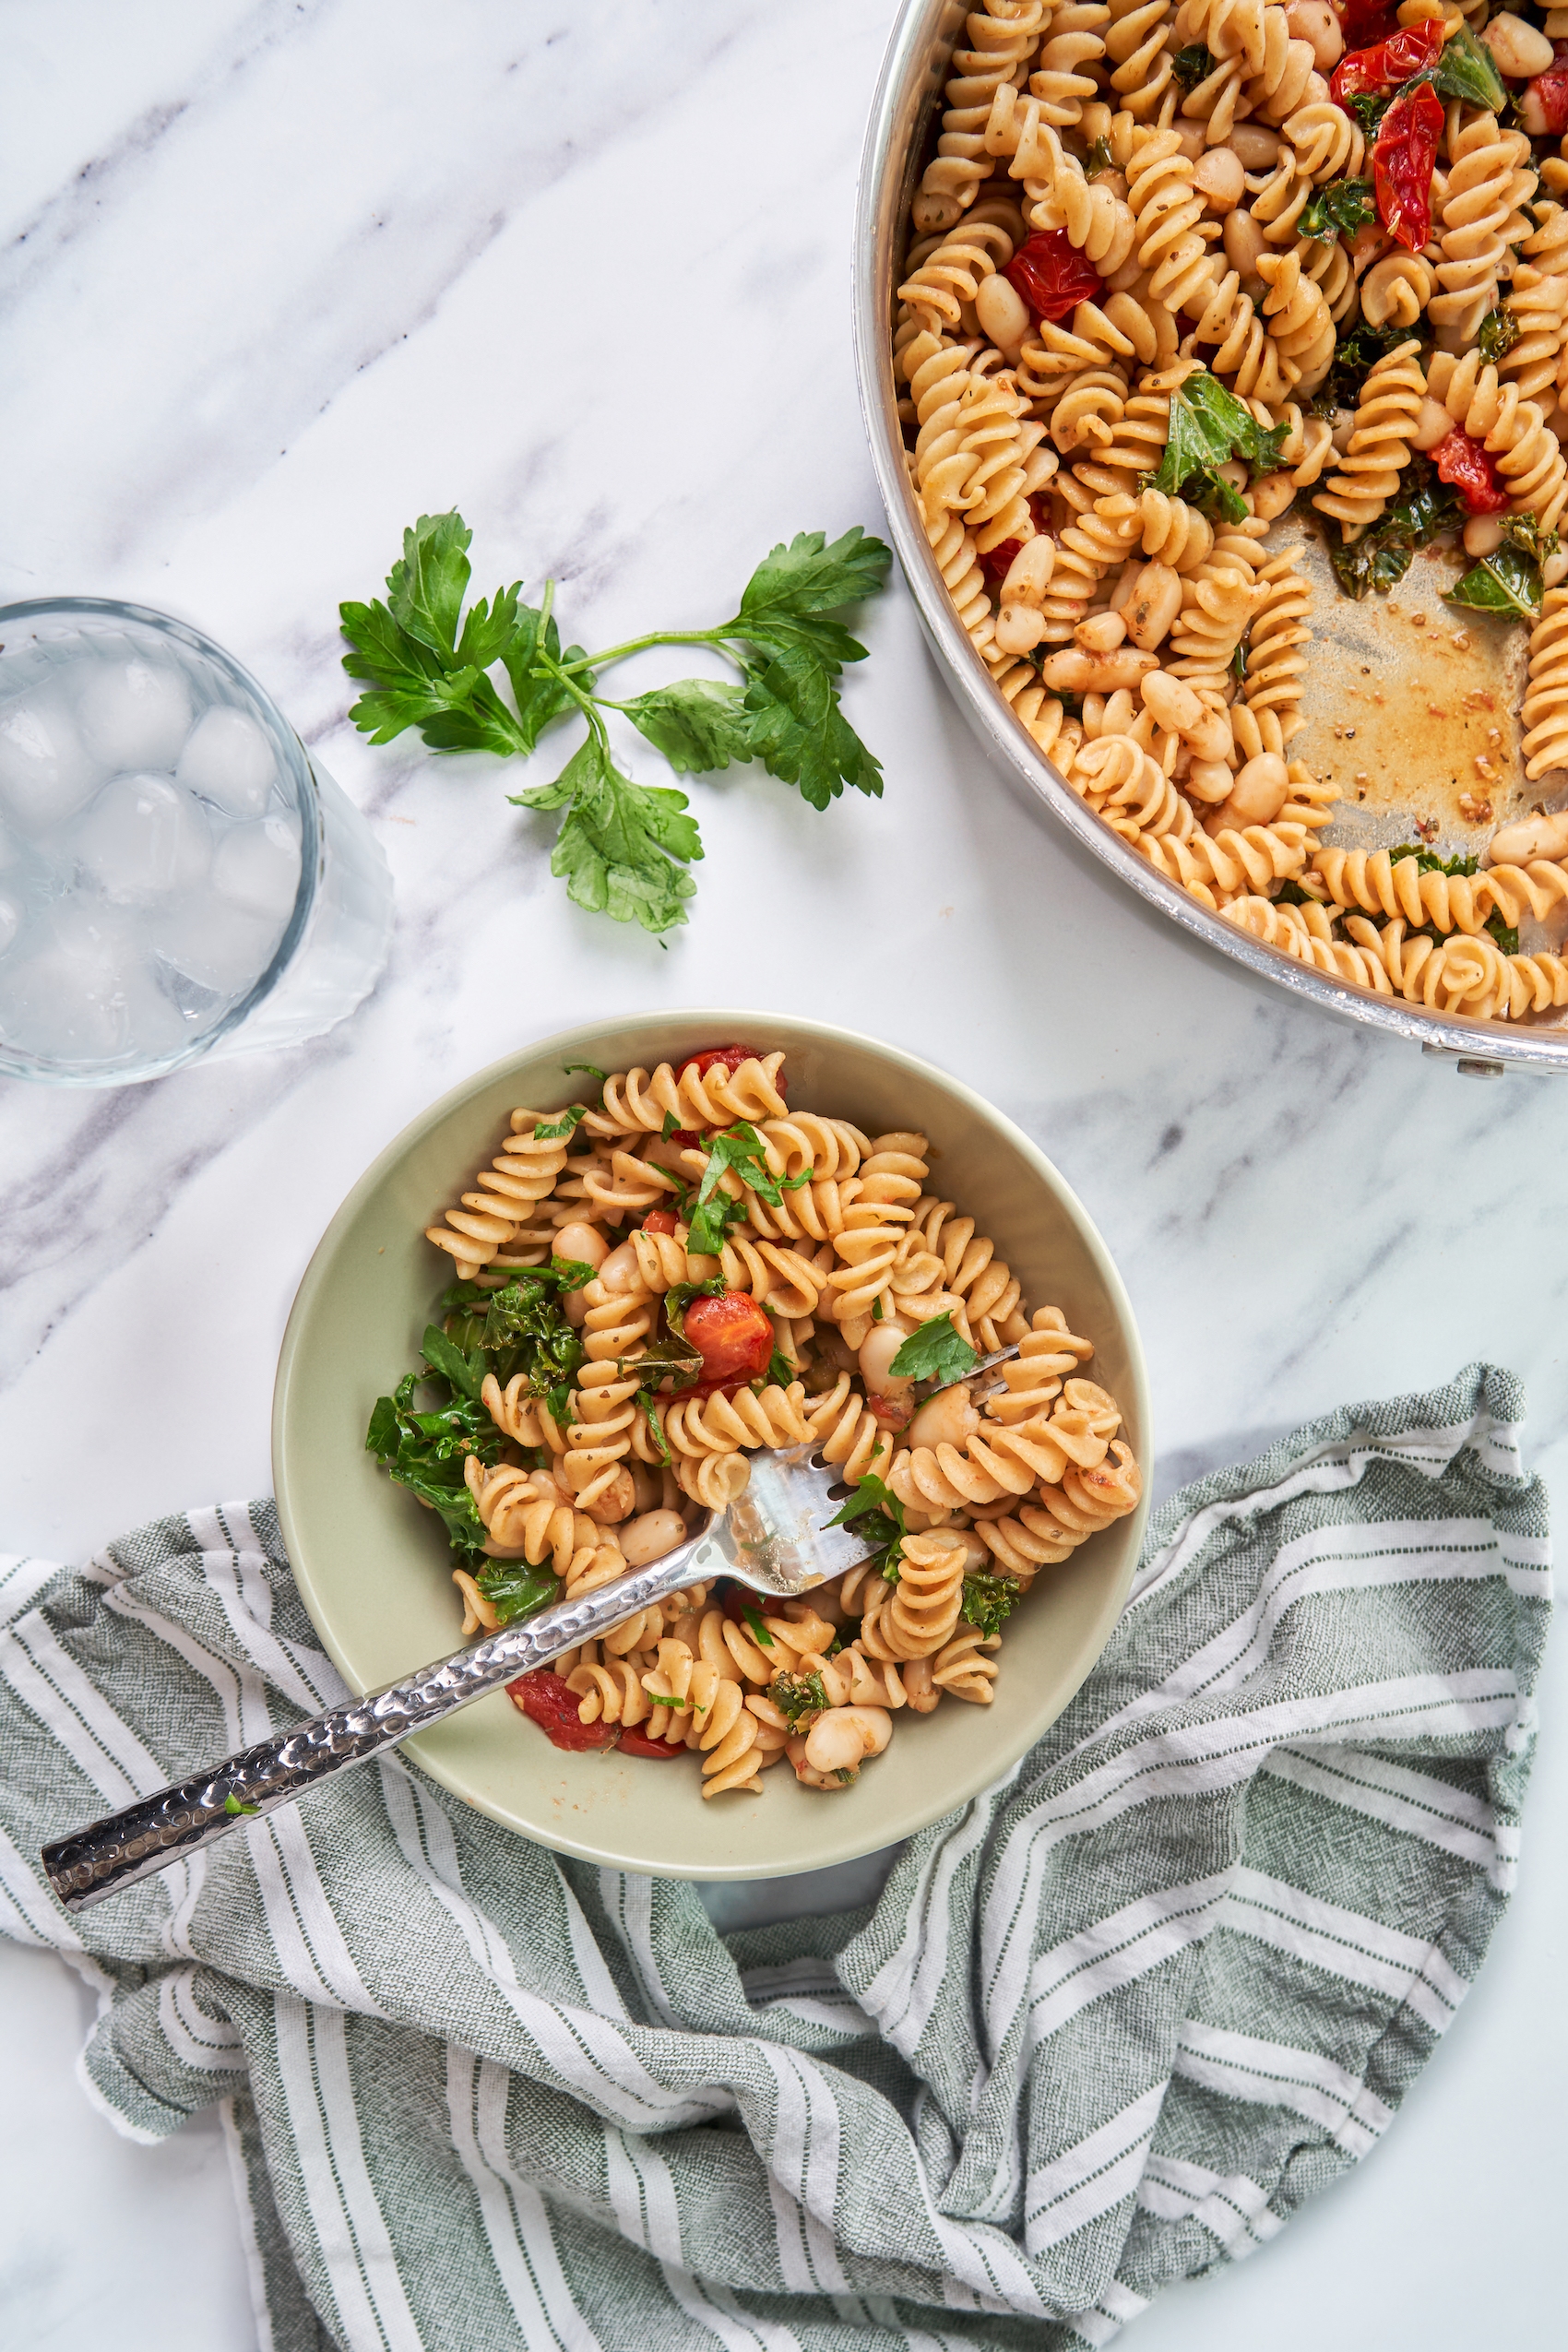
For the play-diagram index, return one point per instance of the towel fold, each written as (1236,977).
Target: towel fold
(1107,2026)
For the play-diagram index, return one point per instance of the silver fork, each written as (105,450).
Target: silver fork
(777,1539)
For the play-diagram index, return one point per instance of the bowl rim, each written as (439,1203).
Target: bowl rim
(907,89)
(956,1789)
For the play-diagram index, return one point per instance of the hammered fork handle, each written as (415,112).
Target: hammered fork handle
(147,1837)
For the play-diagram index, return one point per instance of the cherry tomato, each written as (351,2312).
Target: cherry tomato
(1464,462)
(731,1056)
(659,1220)
(1364,21)
(996,562)
(635,1741)
(1550,91)
(892,1413)
(733,1338)
(546,1699)
(1402,164)
(1051,275)
(1387,64)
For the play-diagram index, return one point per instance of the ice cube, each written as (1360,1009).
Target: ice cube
(229,761)
(258,867)
(10,923)
(217,947)
(66,999)
(144,837)
(46,771)
(134,714)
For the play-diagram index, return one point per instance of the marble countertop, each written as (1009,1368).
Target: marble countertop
(278,277)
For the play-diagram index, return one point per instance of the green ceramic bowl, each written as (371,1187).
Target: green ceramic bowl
(374,1568)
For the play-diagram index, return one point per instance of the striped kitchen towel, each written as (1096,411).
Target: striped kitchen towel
(1107,2026)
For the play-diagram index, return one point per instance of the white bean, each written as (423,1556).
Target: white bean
(1220,180)
(1152,605)
(945,1420)
(839,1740)
(1260,792)
(1018,628)
(1554,571)
(615,1502)
(620,1270)
(1257,145)
(1002,313)
(1433,424)
(882,1344)
(1483,534)
(1101,633)
(1531,837)
(1314,22)
(1028,575)
(1271,495)
(584,1242)
(1517,48)
(1172,702)
(651,1537)
(1209,779)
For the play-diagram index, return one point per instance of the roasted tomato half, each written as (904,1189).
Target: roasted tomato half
(733,1338)
(547,1699)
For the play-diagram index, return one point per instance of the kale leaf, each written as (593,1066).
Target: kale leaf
(989,1601)
(1506,582)
(1208,427)
(1423,508)
(1337,210)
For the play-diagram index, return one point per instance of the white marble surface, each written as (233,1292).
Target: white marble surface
(278,277)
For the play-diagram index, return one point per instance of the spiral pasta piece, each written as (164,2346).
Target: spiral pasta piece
(1298,319)
(1477,220)
(926,1600)
(1307,934)
(1246,351)
(526,1516)
(1141,67)
(891,1179)
(1167,210)
(954,273)
(500,1213)
(1381,885)
(1063,80)
(847,1431)
(772,1416)
(730,1745)
(943,1266)
(996,435)
(1275,666)
(1379,448)
(1088,548)
(1397,290)
(1538,303)
(963,1668)
(1545,711)
(1327,141)
(713,1098)
(1003,1458)
(1002,36)
(1173,532)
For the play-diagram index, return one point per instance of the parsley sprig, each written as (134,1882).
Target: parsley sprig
(624,848)
(873,1501)
(936,1351)
(738,1150)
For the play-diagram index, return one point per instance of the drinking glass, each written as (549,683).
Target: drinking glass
(178,875)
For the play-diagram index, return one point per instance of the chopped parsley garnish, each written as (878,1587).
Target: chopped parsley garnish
(232,1804)
(588,1070)
(780,1371)
(934,1352)
(739,1150)
(671,1126)
(756,1627)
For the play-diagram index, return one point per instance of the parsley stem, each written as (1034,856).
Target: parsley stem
(637,644)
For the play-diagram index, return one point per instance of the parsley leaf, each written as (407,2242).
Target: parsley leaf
(590,1069)
(1099,158)
(645,1398)
(756,1627)
(793,586)
(426,587)
(934,1352)
(232,1804)
(799,733)
(740,1149)
(872,1498)
(780,1371)
(563,1126)
(1506,582)
(617,849)
(678,1296)
(1337,210)
(989,1601)
(698,724)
